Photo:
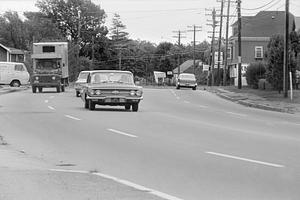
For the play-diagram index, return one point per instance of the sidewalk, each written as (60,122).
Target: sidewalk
(24,177)
(261,99)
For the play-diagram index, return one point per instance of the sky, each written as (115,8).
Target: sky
(158,20)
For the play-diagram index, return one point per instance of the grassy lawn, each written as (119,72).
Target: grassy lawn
(270,95)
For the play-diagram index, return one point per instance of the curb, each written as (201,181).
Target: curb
(265,107)
(255,105)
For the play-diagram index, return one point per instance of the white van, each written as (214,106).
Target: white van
(13,74)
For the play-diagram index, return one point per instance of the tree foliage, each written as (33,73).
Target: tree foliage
(255,71)
(12,30)
(75,18)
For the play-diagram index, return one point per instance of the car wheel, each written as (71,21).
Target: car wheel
(58,89)
(127,107)
(178,87)
(33,89)
(135,107)
(40,89)
(194,88)
(63,88)
(91,105)
(15,83)
(86,103)
(77,94)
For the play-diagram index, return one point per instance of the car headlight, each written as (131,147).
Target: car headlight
(36,78)
(53,77)
(139,93)
(91,91)
(98,92)
(132,93)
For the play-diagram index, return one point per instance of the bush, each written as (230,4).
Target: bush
(255,71)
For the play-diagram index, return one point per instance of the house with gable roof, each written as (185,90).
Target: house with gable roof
(255,35)
(9,54)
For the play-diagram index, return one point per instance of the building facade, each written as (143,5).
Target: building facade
(255,36)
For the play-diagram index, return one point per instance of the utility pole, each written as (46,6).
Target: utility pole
(194,44)
(286,50)
(179,37)
(219,44)
(212,51)
(239,44)
(226,45)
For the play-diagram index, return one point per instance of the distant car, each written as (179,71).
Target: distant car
(13,74)
(186,80)
(112,88)
(82,78)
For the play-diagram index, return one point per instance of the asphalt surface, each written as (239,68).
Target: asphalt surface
(188,144)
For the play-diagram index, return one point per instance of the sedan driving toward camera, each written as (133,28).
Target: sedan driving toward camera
(186,80)
(112,88)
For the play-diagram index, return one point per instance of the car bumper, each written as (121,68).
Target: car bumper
(114,100)
(187,85)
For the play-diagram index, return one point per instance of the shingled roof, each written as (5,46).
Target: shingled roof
(265,24)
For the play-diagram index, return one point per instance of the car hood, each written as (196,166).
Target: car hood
(114,86)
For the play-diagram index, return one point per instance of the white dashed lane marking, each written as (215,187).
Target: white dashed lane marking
(237,114)
(71,117)
(51,108)
(122,133)
(245,159)
(46,101)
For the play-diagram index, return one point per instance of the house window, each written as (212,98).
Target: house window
(229,53)
(259,52)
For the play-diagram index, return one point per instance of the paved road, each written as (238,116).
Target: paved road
(188,144)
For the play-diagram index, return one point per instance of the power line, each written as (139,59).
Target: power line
(258,8)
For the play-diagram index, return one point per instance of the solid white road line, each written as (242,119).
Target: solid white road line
(237,114)
(71,117)
(51,108)
(122,133)
(186,102)
(201,106)
(46,101)
(245,159)
(124,182)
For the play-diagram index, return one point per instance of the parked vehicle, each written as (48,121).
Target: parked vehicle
(50,66)
(112,88)
(186,80)
(81,79)
(13,74)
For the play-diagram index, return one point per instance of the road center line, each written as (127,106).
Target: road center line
(123,182)
(51,108)
(122,133)
(71,117)
(237,114)
(245,159)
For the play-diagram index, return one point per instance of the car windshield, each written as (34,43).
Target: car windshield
(116,77)
(47,64)
(83,75)
(187,76)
